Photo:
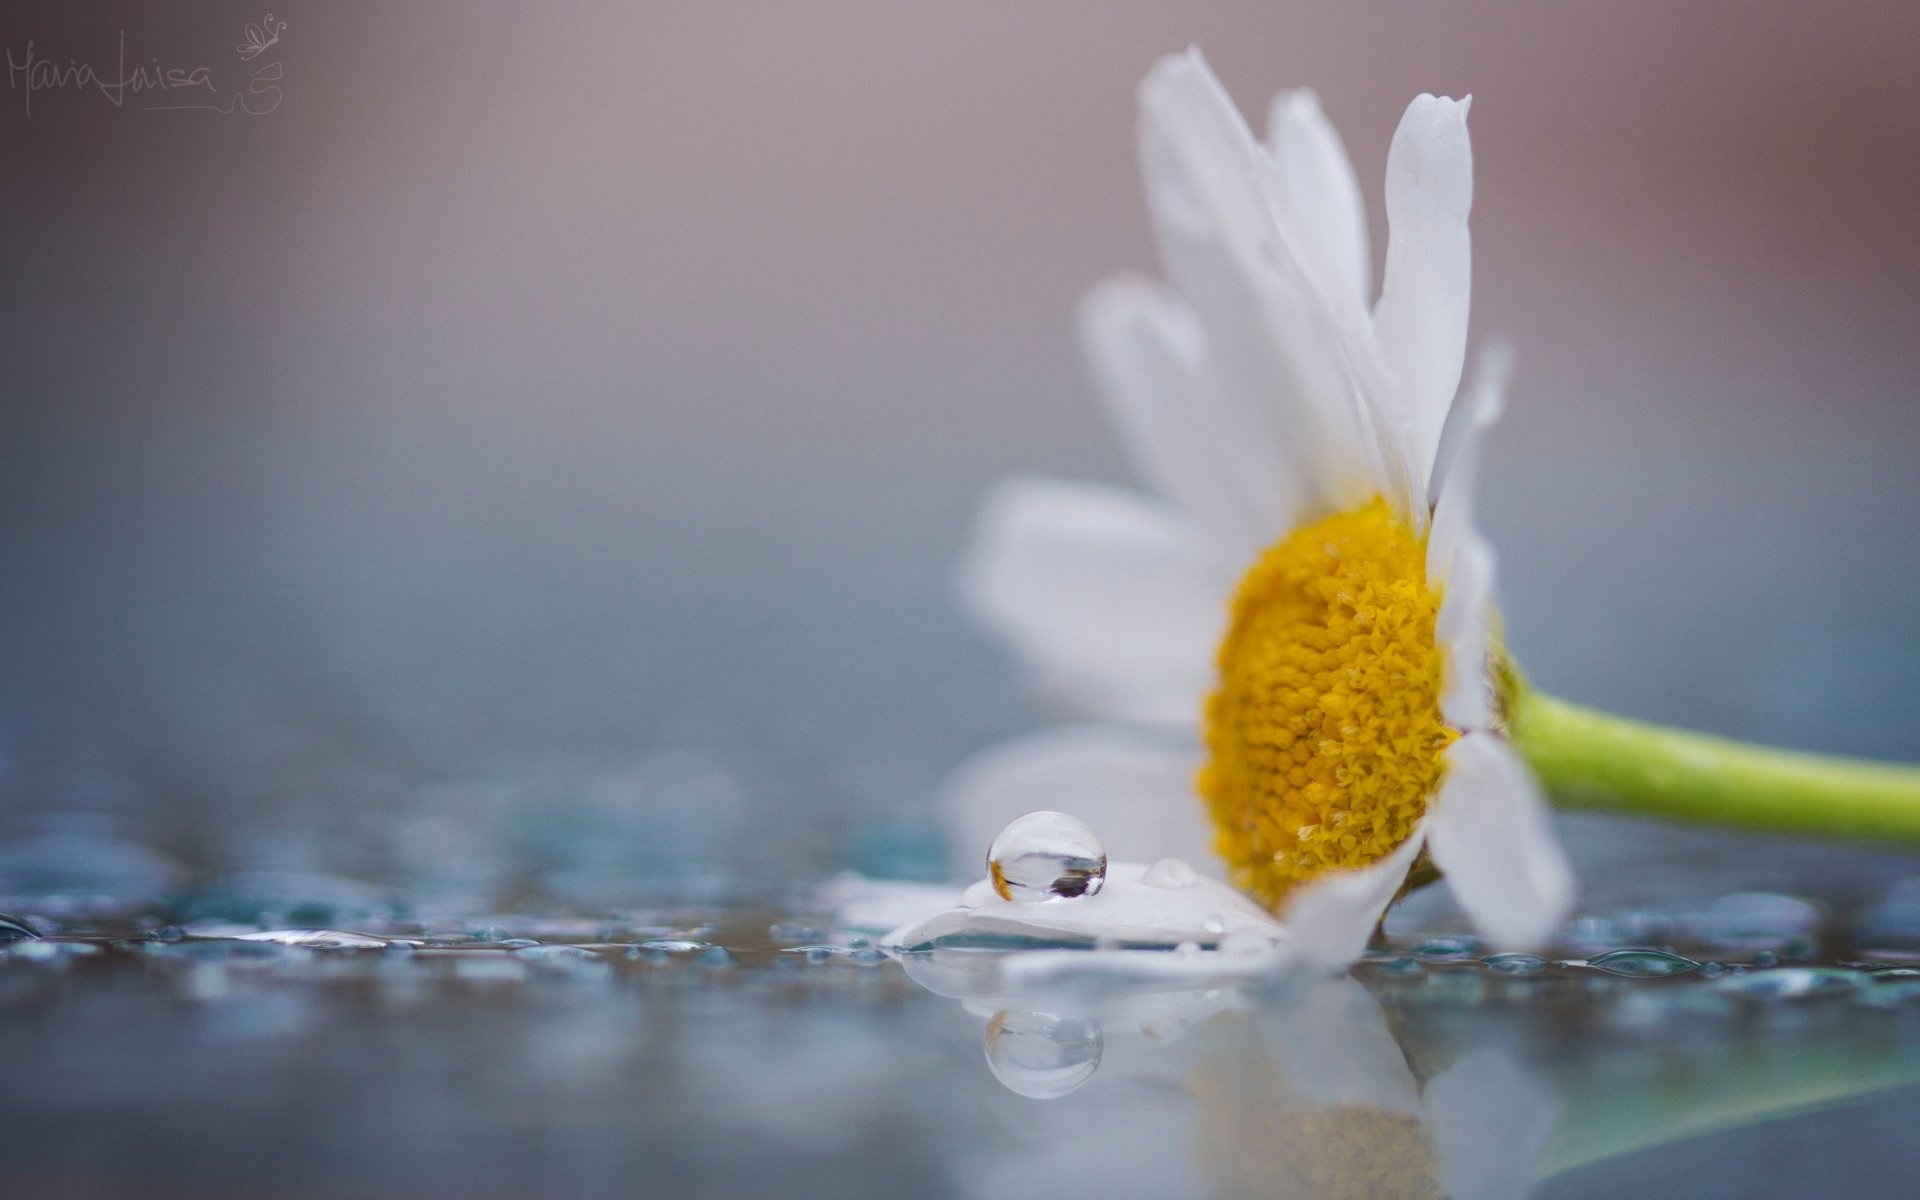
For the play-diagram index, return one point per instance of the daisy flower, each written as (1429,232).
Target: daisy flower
(1306,593)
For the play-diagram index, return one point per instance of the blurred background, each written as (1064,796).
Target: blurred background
(540,442)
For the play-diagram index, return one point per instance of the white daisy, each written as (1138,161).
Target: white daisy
(1307,593)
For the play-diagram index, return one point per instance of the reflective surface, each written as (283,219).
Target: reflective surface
(773,1052)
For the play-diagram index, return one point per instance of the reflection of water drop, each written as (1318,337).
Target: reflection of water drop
(1794,983)
(1170,873)
(1042,1056)
(1514,964)
(1643,964)
(1046,856)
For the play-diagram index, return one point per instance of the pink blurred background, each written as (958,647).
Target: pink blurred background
(561,382)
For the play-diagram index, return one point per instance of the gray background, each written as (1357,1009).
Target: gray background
(540,388)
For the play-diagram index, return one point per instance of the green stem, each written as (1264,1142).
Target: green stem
(1593,760)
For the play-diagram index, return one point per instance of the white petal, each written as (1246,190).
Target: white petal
(1421,319)
(1463,629)
(1337,1050)
(1110,599)
(1273,339)
(1329,921)
(1320,193)
(1490,1120)
(1202,446)
(1490,832)
(1456,473)
(1135,792)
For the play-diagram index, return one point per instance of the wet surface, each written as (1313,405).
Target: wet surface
(185,1048)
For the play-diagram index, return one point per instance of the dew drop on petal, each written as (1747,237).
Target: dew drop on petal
(1042,1056)
(1046,856)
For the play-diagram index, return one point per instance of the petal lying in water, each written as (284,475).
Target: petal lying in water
(1128,911)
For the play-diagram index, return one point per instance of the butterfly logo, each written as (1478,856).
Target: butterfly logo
(261,37)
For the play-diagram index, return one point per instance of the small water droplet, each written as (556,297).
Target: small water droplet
(1766,958)
(1447,947)
(716,956)
(661,949)
(316,939)
(517,943)
(1514,964)
(867,956)
(1046,856)
(1404,965)
(1643,964)
(13,929)
(1042,1056)
(1169,873)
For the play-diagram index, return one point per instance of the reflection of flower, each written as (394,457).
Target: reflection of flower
(1347,707)
(261,38)
(1318,1101)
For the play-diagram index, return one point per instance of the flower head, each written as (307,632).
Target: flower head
(1307,594)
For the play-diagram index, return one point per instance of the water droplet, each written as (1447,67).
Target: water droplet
(1169,873)
(1794,983)
(317,939)
(661,949)
(1447,947)
(1404,965)
(513,943)
(1041,1056)
(13,929)
(1643,964)
(1046,856)
(716,956)
(1514,964)
(867,956)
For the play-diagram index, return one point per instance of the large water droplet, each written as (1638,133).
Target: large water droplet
(13,929)
(1041,1056)
(1046,856)
(1643,964)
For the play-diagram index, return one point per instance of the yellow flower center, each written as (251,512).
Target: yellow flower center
(1324,736)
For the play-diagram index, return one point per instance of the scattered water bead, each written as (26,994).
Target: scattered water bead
(1046,856)
(318,939)
(1404,965)
(867,956)
(1170,873)
(716,956)
(13,929)
(1514,964)
(1643,964)
(661,949)
(1794,983)
(1448,947)
(1042,1056)
(1766,958)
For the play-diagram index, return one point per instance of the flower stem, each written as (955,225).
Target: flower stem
(1594,760)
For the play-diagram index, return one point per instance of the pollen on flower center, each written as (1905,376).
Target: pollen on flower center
(1324,735)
